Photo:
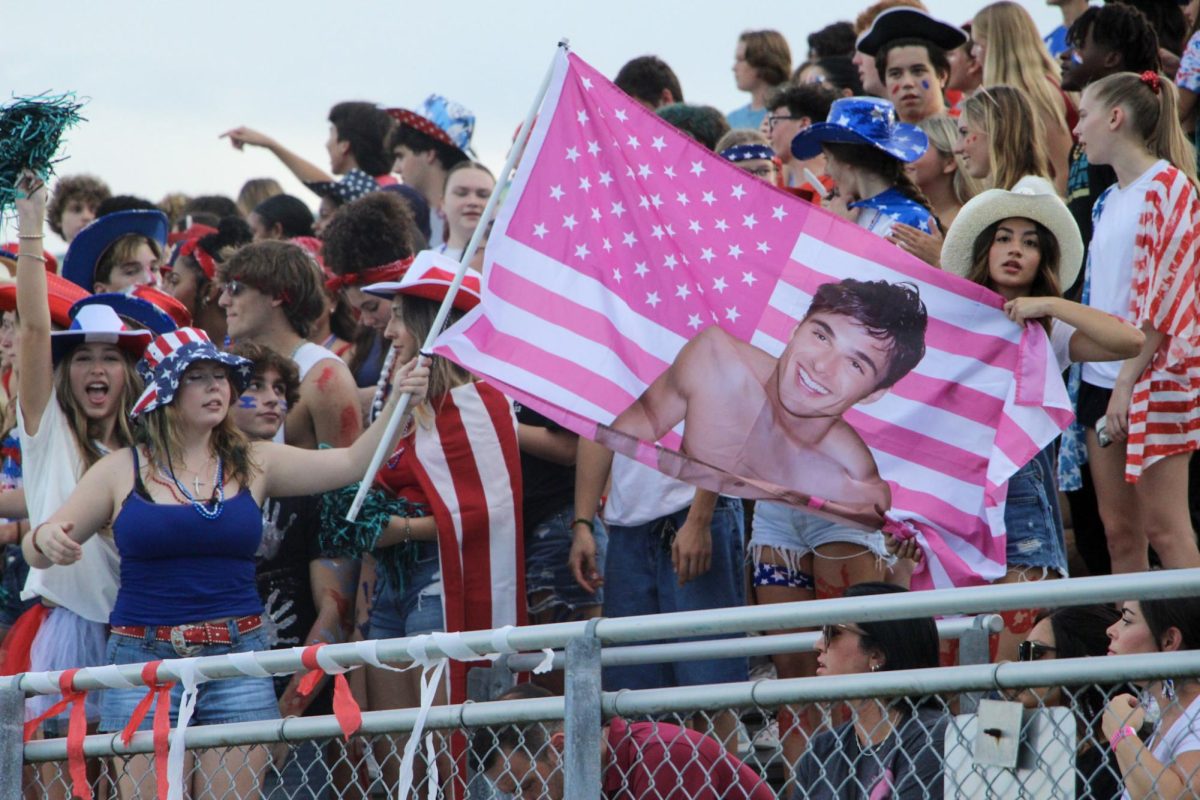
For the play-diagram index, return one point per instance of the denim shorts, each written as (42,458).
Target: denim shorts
(640,579)
(231,700)
(1032,518)
(547,570)
(794,531)
(415,611)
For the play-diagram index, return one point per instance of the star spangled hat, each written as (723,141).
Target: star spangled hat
(79,265)
(168,356)
(440,119)
(430,277)
(909,23)
(97,323)
(353,185)
(144,306)
(863,120)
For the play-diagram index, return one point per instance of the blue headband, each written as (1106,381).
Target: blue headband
(747,152)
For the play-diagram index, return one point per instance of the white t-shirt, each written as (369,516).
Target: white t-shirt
(1060,343)
(640,494)
(1182,737)
(52,466)
(1111,262)
(307,356)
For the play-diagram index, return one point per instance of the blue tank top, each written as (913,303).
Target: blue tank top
(178,567)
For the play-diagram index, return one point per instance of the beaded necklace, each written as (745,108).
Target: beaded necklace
(216,503)
(382,385)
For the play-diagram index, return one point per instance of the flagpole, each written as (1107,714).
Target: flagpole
(387,442)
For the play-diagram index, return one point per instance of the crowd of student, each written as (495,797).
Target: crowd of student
(192,389)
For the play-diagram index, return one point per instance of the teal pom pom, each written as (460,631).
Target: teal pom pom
(351,539)
(31,130)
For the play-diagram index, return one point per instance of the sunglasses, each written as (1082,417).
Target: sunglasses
(773,118)
(233,288)
(831,632)
(1033,651)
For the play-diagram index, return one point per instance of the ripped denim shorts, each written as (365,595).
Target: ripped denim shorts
(416,610)
(1033,520)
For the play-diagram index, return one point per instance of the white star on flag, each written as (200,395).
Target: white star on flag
(572,154)
(556,192)
(652,299)
(569,222)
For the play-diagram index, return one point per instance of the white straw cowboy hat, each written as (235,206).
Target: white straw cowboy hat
(1032,198)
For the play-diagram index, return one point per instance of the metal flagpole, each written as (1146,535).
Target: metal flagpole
(387,442)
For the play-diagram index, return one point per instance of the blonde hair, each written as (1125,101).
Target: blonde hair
(254,191)
(1017,56)
(159,432)
(942,132)
(121,251)
(739,136)
(1016,144)
(1153,116)
(87,431)
(418,314)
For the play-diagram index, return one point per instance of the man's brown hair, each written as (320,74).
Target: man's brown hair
(280,270)
(89,190)
(769,54)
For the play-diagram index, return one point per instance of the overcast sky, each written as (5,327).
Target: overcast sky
(164,79)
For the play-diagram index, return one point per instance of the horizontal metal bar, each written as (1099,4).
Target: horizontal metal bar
(632,655)
(691,624)
(681,699)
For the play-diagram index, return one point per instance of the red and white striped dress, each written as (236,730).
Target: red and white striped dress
(1164,414)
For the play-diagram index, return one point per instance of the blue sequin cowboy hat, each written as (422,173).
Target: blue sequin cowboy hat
(863,120)
(88,246)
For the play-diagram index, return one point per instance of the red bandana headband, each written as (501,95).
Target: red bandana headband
(192,248)
(384,272)
(1151,79)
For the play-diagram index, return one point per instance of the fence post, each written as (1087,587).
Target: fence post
(12,743)
(581,717)
(974,647)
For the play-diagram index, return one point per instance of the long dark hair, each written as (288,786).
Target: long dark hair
(1080,632)
(1045,283)
(877,162)
(904,643)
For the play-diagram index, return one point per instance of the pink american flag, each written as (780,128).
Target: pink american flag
(621,238)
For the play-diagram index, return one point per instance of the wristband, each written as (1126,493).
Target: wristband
(1121,735)
(591,526)
(33,541)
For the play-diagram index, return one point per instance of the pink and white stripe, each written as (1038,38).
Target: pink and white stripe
(620,239)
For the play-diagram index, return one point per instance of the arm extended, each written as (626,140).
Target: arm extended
(291,471)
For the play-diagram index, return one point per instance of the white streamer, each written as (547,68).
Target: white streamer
(247,664)
(547,663)
(452,645)
(368,650)
(40,683)
(190,677)
(326,662)
(429,684)
(110,676)
(500,645)
(417,650)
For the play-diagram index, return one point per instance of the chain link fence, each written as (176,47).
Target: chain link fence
(1024,743)
(1034,729)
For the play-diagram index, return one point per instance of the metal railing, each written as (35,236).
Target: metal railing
(587,648)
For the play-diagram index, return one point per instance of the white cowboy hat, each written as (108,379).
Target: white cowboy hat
(1031,198)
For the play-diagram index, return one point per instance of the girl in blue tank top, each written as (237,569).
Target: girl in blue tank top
(184,509)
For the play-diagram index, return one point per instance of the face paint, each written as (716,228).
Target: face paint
(246,401)
(925,85)
(325,379)
(895,88)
